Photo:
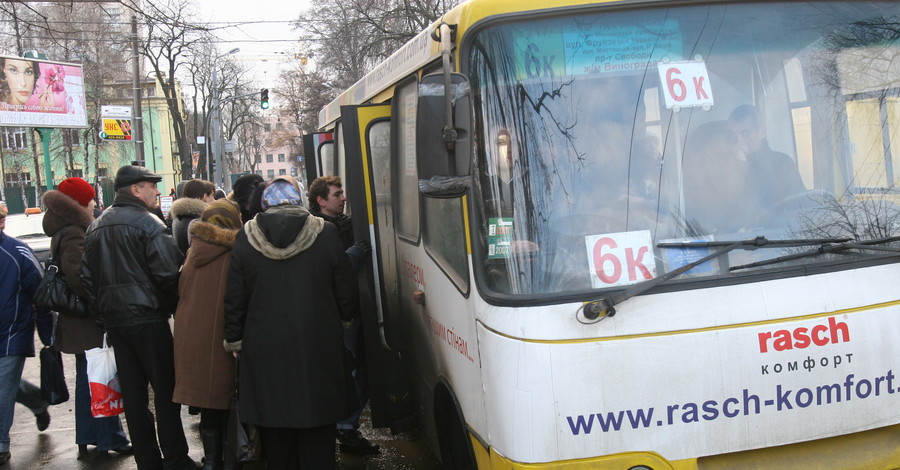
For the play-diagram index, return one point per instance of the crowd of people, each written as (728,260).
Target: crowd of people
(255,281)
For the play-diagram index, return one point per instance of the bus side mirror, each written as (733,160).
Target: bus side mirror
(444,152)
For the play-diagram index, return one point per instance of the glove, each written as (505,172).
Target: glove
(358,253)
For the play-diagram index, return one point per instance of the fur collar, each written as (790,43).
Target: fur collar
(63,210)
(304,240)
(187,206)
(213,233)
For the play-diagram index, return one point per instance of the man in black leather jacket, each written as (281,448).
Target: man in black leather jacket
(130,272)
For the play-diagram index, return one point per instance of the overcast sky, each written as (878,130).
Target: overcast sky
(264,46)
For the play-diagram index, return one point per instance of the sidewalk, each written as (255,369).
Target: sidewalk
(55,449)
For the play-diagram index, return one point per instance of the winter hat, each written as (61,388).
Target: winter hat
(78,189)
(244,186)
(222,213)
(282,190)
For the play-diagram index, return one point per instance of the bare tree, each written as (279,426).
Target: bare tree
(353,36)
(172,34)
(231,81)
(303,93)
(237,114)
(343,45)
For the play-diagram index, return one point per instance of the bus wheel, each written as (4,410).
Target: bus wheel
(456,449)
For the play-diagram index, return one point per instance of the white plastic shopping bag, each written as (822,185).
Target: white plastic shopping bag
(106,394)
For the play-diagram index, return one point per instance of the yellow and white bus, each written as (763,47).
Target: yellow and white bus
(633,234)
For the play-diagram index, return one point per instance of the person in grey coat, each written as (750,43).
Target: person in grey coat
(290,286)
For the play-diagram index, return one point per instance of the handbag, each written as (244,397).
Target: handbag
(54,294)
(103,379)
(53,380)
(243,439)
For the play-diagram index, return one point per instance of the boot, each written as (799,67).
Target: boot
(231,461)
(212,448)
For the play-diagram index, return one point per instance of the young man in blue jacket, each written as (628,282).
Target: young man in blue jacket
(20,274)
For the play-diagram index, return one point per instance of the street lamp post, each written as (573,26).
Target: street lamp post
(218,158)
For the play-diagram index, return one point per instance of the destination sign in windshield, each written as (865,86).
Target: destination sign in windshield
(594,48)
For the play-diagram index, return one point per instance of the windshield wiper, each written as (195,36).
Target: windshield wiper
(606,306)
(827,247)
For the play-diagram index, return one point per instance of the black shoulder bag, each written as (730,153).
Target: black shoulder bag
(243,439)
(53,293)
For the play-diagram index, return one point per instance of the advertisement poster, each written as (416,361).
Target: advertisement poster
(41,93)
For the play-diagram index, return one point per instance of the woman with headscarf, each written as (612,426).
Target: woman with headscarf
(204,372)
(69,213)
(290,286)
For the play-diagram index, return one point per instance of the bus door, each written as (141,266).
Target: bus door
(366,144)
(440,339)
(318,152)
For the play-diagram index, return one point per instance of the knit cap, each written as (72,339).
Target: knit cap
(78,189)
(222,213)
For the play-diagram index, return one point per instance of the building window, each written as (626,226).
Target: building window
(279,125)
(267,127)
(14,138)
(259,172)
(282,172)
(102,172)
(269,158)
(258,158)
(79,173)
(270,174)
(18,179)
(71,138)
(280,158)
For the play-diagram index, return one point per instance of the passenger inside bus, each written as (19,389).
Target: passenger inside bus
(773,169)
(718,192)
(733,180)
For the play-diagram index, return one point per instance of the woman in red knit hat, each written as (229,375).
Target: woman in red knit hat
(70,210)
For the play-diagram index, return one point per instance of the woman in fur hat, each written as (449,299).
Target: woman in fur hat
(204,371)
(197,195)
(70,210)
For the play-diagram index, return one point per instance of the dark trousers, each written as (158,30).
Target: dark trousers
(292,449)
(145,355)
(30,396)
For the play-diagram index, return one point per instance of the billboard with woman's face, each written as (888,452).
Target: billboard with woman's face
(41,93)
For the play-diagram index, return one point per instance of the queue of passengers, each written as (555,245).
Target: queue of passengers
(256,282)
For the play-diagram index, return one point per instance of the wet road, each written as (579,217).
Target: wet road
(55,449)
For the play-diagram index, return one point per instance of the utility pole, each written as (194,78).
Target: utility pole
(137,129)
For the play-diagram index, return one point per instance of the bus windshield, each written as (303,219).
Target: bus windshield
(604,135)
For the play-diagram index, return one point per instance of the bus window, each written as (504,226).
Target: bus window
(326,159)
(407,182)
(445,239)
(605,135)
(340,168)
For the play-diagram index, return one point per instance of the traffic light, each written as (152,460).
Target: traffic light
(264,98)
